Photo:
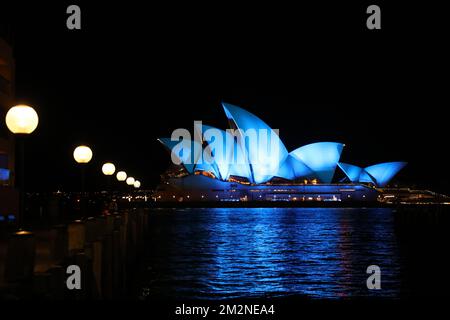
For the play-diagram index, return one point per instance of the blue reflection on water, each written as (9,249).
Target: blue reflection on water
(266,252)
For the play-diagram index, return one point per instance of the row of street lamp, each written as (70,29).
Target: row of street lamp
(83,155)
(22,120)
(109,169)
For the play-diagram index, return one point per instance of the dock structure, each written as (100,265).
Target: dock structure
(34,264)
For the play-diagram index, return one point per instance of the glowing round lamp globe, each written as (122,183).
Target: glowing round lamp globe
(130,181)
(137,184)
(22,119)
(82,154)
(121,175)
(108,169)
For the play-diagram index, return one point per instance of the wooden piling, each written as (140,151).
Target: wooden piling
(58,243)
(103,247)
(107,261)
(97,255)
(116,270)
(76,236)
(20,257)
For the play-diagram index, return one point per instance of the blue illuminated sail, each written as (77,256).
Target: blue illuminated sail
(267,155)
(384,172)
(293,168)
(351,171)
(224,154)
(321,158)
(186,152)
(378,174)
(366,177)
(251,149)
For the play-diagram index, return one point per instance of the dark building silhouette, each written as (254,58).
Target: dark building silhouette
(8,203)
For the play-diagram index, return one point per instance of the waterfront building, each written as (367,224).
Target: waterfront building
(8,196)
(236,173)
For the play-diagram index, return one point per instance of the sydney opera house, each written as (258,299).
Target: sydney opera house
(226,165)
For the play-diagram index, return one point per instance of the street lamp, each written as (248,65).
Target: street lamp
(21,120)
(108,170)
(130,181)
(137,184)
(121,176)
(82,155)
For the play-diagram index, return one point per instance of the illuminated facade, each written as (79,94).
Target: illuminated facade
(230,166)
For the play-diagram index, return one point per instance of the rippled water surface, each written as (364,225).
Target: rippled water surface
(229,253)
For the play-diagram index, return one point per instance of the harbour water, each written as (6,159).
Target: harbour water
(225,253)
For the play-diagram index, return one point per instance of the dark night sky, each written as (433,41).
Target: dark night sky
(135,72)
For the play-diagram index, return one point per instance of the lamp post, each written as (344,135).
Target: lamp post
(108,170)
(21,120)
(130,182)
(82,155)
(121,176)
(136,185)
